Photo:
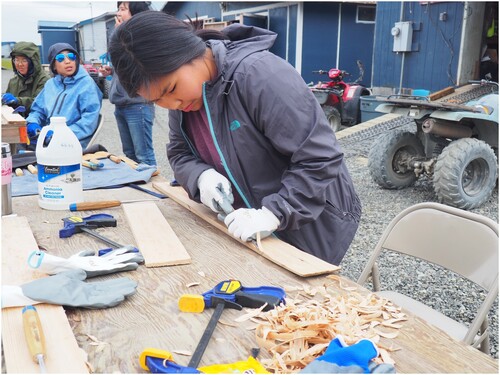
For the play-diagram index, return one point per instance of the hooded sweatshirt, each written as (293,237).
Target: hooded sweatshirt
(275,144)
(77,98)
(26,88)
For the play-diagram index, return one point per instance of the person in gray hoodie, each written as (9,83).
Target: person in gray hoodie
(134,116)
(244,130)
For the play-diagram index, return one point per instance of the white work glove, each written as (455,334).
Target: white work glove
(68,289)
(245,223)
(118,260)
(215,191)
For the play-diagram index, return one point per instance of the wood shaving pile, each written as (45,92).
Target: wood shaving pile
(298,332)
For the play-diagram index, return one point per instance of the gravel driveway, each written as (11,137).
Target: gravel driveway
(456,297)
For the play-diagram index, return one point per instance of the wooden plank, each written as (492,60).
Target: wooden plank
(441,93)
(11,118)
(277,251)
(13,126)
(63,354)
(154,236)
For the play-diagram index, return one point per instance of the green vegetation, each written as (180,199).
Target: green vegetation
(7,64)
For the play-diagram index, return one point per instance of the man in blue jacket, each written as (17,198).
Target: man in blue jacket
(72,94)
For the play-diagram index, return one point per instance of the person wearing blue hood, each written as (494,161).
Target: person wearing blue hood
(244,128)
(71,93)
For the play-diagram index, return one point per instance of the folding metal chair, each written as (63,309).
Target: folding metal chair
(458,240)
(100,122)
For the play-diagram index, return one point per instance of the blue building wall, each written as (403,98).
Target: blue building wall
(432,64)
(320,29)
(319,39)
(356,43)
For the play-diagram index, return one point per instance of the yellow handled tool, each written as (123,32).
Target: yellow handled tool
(34,336)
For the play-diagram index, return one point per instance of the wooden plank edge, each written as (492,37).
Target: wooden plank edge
(18,239)
(129,210)
(317,266)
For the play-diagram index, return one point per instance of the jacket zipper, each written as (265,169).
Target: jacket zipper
(224,164)
(57,99)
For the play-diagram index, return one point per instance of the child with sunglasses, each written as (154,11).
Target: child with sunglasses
(71,93)
(244,127)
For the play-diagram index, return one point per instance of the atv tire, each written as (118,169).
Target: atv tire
(389,157)
(465,173)
(333,117)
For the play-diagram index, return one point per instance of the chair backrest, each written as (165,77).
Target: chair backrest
(100,122)
(458,240)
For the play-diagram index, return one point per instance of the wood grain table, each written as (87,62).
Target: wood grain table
(114,338)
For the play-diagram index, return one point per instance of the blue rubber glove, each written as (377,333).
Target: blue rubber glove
(9,99)
(359,354)
(33,130)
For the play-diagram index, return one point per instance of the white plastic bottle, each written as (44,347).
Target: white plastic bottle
(59,166)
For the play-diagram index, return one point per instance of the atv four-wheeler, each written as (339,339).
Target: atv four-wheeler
(102,82)
(455,145)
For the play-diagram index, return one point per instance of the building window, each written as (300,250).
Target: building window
(365,13)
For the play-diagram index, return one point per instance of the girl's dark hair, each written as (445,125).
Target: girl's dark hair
(136,6)
(153,44)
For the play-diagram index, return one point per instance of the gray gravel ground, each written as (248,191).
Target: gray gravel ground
(456,297)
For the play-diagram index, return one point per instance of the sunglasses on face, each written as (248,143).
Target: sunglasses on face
(70,55)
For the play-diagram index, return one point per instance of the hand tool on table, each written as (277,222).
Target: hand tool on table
(76,224)
(153,193)
(93,165)
(101,154)
(32,169)
(230,294)
(159,361)
(34,336)
(104,204)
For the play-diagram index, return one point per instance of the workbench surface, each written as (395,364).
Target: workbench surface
(151,317)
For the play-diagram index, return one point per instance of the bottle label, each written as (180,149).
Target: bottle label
(59,183)
(6,170)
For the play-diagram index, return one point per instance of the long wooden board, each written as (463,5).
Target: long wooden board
(63,354)
(277,251)
(154,236)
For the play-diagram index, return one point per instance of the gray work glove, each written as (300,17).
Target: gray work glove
(118,260)
(69,289)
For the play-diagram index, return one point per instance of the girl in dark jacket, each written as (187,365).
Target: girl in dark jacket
(243,126)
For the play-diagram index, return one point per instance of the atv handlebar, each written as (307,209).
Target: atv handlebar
(484,82)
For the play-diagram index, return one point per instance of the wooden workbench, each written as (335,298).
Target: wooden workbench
(151,318)
(13,126)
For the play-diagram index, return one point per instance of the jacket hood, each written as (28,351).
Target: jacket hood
(57,48)
(244,40)
(32,52)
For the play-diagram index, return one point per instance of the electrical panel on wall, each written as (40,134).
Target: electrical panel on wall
(402,33)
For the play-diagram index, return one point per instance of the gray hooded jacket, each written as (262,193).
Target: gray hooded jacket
(275,144)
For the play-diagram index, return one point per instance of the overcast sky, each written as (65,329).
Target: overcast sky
(19,18)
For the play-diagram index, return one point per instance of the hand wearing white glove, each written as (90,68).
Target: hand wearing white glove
(245,223)
(118,260)
(215,191)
